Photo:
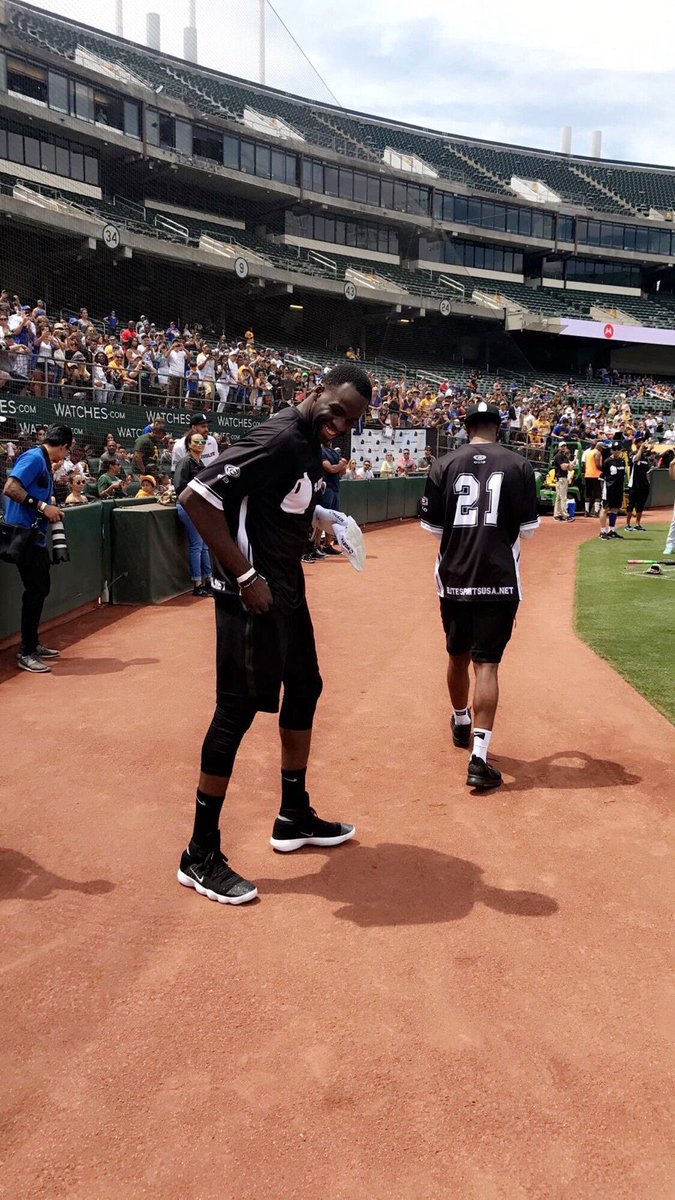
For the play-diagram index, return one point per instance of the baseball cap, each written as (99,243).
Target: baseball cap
(72,320)
(200,418)
(78,357)
(483,411)
(25,307)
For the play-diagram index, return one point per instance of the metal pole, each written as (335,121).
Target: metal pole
(261,42)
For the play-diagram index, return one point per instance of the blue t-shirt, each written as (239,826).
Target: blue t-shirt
(332,455)
(34,472)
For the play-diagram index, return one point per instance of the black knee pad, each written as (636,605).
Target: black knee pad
(299,703)
(232,718)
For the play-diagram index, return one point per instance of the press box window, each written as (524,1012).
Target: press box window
(132,119)
(15,147)
(247,150)
(108,110)
(230,152)
(48,156)
(58,92)
(263,160)
(62,158)
(282,166)
(91,169)
(26,79)
(208,144)
(183,137)
(77,163)
(31,151)
(81,100)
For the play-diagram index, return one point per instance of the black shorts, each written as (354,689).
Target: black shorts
(255,655)
(592,488)
(480,627)
(612,498)
(637,498)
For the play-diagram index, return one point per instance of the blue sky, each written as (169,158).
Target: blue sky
(514,73)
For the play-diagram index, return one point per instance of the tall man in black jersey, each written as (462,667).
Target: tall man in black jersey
(638,484)
(613,483)
(254,508)
(480,500)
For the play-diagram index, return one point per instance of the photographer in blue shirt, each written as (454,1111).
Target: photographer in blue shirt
(29,501)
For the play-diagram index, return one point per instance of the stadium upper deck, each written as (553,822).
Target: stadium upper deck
(202,170)
(608,187)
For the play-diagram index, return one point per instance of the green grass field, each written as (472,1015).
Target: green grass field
(630,619)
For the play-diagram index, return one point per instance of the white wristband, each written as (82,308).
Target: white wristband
(41,506)
(247,575)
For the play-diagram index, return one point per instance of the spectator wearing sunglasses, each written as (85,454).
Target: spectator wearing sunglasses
(78,483)
(187,469)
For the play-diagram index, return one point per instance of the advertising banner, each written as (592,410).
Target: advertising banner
(91,420)
(608,331)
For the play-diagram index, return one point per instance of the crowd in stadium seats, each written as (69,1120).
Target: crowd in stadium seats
(128,362)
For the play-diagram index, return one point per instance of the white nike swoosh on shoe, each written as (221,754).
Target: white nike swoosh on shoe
(199,878)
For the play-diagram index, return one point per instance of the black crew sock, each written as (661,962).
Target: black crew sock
(294,798)
(207,816)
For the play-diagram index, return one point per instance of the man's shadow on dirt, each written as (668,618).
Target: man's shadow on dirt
(566,770)
(393,884)
(21,878)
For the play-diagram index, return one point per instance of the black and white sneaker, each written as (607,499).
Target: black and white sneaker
(306,829)
(44,652)
(613,534)
(461,734)
(481,775)
(213,877)
(30,662)
(40,651)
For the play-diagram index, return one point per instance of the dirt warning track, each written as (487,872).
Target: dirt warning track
(470,1000)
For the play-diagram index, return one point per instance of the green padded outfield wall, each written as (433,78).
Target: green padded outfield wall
(73,583)
(149,554)
(661,489)
(372,500)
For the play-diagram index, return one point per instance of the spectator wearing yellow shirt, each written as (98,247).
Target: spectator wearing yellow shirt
(147,488)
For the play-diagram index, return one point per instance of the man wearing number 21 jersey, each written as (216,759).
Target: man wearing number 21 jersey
(480,500)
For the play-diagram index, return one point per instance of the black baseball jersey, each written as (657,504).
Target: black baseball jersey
(614,475)
(479,499)
(268,485)
(639,474)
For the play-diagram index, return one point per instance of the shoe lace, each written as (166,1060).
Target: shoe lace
(217,867)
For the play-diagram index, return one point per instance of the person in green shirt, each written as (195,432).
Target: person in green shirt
(110,485)
(147,447)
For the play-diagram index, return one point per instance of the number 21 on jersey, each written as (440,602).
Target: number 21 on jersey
(467,488)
